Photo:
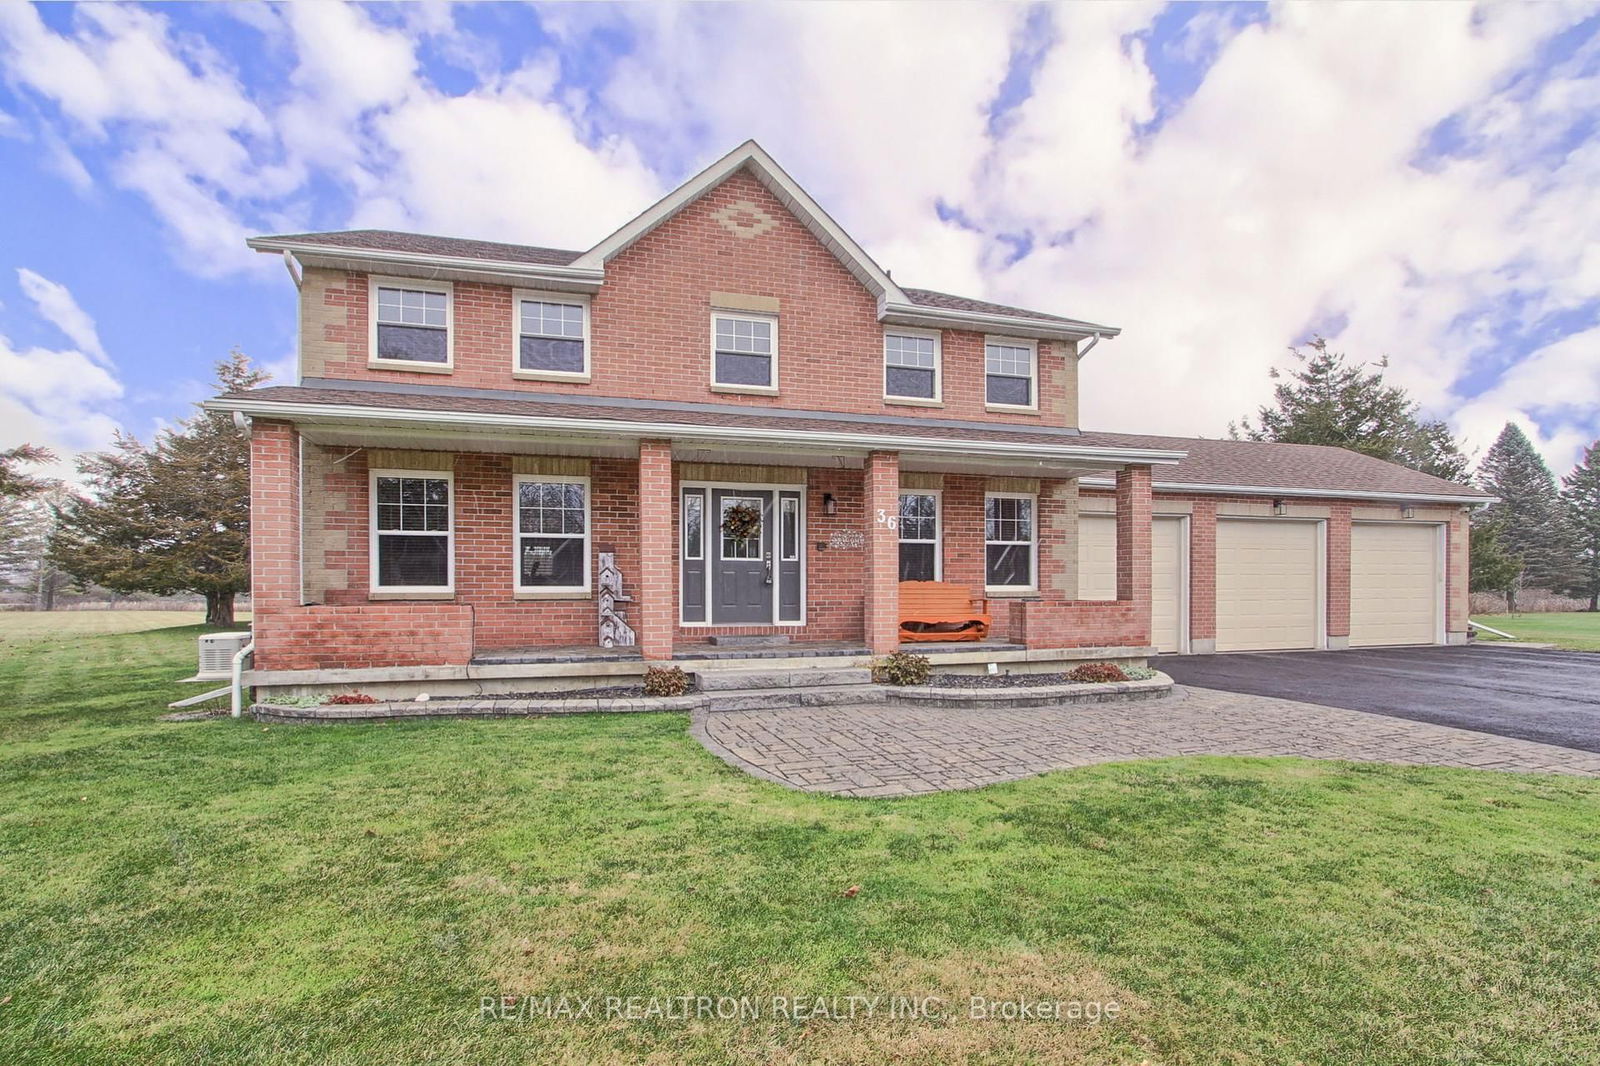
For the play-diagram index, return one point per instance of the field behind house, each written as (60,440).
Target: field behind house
(1569,630)
(225,892)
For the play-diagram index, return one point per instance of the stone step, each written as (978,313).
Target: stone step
(768,699)
(801,677)
(766,640)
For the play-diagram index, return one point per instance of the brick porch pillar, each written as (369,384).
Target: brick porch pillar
(1339,576)
(881,494)
(657,621)
(1457,603)
(1133,542)
(274,517)
(1203,577)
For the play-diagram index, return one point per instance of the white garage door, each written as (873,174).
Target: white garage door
(1394,584)
(1097,572)
(1266,585)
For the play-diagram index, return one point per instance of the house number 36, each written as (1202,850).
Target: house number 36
(887,519)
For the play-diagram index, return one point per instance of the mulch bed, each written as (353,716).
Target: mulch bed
(619,692)
(996,680)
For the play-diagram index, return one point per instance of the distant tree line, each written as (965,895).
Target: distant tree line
(1535,535)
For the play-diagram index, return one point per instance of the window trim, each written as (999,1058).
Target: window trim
(938,529)
(373,570)
(684,495)
(376,282)
(745,316)
(937,336)
(784,545)
(571,299)
(551,591)
(1033,371)
(1033,547)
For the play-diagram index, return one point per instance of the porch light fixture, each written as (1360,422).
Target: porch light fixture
(829,504)
(1408,512)
(1280,508)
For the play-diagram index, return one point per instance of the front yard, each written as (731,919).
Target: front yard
(1569,630)
(223,892)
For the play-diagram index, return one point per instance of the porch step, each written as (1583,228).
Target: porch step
(766,699)
(803,677)
(772,640)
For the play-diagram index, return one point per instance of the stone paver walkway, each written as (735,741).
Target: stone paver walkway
(892,750)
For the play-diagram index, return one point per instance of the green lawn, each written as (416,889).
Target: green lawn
(223,892)
(1572,630)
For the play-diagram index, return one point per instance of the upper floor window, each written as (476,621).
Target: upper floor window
(744,352)
(1010,368)
(552,336)
(552,533)
(911,366)
(1010,546)
(411,323)
(412,541)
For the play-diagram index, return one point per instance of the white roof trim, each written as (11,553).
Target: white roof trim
(310,251)
(1266,490)
(781,185)
(926,314)
(777,435)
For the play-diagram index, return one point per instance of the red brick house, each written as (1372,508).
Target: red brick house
(767,433)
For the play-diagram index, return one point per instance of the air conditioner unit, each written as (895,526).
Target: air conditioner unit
(216,655)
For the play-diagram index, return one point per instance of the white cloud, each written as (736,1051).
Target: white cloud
(63,399)
(57,306)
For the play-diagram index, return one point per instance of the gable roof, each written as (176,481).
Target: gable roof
(1256,467)
(360,249)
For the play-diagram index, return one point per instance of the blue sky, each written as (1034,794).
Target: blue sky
(1217,179)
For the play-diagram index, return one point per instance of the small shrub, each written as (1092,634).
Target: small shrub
(902,668)
(1139,673)
(666,681)
(1099,673)
(346,698)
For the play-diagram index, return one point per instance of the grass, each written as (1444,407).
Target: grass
(223,892)
(1569,630)
(20,626)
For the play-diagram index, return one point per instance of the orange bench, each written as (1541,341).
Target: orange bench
(935,610)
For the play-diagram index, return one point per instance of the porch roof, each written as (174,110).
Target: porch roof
(478,410)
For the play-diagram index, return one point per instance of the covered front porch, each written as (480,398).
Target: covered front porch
(435,548)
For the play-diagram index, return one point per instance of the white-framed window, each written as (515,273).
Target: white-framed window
(911,365)
(789,529)
(412,531)
(552,336)
(744,352)
(1010,369)
(552,533)
(919,537)
(1010,542)
(412,324)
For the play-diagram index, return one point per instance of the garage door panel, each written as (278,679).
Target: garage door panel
(1267,595)
(1394,584)
(1097,572)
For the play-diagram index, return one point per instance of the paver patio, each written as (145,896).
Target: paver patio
(891,750)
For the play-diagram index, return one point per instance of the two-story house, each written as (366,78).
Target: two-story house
(765,433)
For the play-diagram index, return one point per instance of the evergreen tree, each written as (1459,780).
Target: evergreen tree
(1329,400)
(1493,569)
(1527,511)
(14,484)
(173,517)
(25,528)
(1581,498)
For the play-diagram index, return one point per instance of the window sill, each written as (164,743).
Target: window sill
(550,375)
(415,368)
(442,594)
(990,592)
(747,390)
(555,594)
(1009,409)
(912,401)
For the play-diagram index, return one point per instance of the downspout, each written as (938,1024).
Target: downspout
(1094,339)
(237,687)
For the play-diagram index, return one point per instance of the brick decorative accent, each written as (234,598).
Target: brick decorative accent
(1338,570)
(881,488)
(657,595)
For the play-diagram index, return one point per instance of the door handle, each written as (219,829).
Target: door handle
(768,577)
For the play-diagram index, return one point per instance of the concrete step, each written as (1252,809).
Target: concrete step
(768,699)
(801,677)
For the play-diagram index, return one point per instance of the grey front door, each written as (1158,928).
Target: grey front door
(742,580)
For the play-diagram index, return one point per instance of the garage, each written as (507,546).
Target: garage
(1097,572)
(1268,584)
(1395,583)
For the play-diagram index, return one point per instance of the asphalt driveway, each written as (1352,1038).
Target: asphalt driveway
(1548,696)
